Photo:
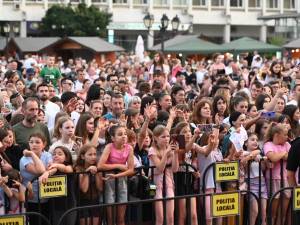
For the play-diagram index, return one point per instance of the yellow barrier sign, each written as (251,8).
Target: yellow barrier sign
(55,187)
(12,220)
(227,171)
(296,193)
(225,204)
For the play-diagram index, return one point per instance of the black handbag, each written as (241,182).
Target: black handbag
(139,186)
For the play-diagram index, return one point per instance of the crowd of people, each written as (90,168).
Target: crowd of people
(82,117)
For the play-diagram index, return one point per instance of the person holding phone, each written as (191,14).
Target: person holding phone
(164,156)
(88,130)
(184,177)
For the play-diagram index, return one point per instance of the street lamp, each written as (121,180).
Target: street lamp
(175,23)
(148,21)
(164,23)
(59,29)
(10,29)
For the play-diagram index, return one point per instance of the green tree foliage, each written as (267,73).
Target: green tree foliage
(277,40)
(80,21)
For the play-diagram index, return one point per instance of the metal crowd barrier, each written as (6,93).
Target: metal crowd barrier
(138,208)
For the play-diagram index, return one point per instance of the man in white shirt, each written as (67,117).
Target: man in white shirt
(79,80)
(50,108)
(30,62)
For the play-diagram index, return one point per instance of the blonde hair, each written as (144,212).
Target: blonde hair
(274,128)
(59,125)
(158,130)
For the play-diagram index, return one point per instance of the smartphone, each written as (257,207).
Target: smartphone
(268,115)
(181,141)
(173,138)
(10,182)
(207,128)
(78,140)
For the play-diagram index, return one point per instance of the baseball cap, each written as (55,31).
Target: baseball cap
(30,71)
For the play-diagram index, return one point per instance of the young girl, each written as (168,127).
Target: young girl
(117,156)
(233,144)
(254,153)
(64,132)
(10,149)
(276,148)
(220,109)
(261,127)
(204,159)
(90,183)
(184,178)
(88,130)
(33,164)
(164,157)
(62,164)
(4,190)
(18,192)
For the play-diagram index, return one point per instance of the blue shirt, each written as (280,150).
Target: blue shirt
(109,116)
(46,158)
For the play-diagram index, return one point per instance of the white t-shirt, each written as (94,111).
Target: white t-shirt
(292,102)
(200,76)
(78,85)
(75,117)
(28,63)
(51,109)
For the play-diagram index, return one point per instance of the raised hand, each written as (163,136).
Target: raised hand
(173,113)
(123,119)
(27,153)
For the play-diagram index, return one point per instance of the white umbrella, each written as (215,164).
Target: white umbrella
(139,48)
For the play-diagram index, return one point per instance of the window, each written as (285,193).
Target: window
(179,2)
(254,3)
(217,2)
(160,2)
(140,2)
(120,1)
(99,1)
(272,4)
(289,4)
(236,3)
(199,2)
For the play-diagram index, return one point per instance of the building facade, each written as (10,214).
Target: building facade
(219,20)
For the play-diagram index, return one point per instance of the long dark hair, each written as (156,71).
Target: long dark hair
(260,101)
(273,74)
(68,161)
(215,105)
(81,130)
(92,94)
(79,165)
(289,111)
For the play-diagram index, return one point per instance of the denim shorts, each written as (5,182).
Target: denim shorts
(110,192)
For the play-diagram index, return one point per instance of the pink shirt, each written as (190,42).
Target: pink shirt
(271,147)
(158,177)
(118,156)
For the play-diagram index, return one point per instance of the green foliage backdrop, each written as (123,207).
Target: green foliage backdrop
(79,21)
